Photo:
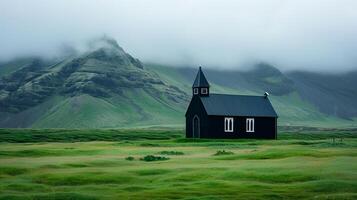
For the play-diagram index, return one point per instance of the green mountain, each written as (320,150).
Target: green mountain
(291,101)
(106,87)
(331,94)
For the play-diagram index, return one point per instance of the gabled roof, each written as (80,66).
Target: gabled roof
(238,105)
(200,80)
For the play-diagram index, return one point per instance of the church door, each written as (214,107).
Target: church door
(196,127)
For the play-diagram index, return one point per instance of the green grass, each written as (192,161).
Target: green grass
(93,164)
(83,135)
(86,111)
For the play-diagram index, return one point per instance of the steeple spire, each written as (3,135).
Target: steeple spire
(200,80)
(200,86)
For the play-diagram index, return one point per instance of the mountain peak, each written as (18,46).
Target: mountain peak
(266,68)
(107,49)
(104,42)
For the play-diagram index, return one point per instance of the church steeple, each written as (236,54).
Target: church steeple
(200,86)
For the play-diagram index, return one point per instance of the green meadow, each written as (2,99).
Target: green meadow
(161,164)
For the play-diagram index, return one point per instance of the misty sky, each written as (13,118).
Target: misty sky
(319,35)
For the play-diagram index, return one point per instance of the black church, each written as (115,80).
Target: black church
(228,116)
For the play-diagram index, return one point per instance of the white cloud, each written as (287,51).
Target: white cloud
(318,35)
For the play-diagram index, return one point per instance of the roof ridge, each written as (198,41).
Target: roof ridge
(199,76)
(246,95)
(238,105)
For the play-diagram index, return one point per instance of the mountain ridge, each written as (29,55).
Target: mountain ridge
(96,78)
(106,87)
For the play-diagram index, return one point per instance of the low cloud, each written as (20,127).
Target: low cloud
(319,35)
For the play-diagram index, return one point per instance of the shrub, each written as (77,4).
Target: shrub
(171,153)
(223,152)
(150,158)
(130,158)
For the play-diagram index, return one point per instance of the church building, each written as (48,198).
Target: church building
(228,116)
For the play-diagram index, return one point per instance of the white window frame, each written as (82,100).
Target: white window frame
(249,124)
(195,90)
(227,121)
(204,90)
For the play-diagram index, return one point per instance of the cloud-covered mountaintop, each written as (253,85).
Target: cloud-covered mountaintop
(318,35)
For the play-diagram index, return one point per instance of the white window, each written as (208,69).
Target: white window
(203,90)
(250,125)
(228,124)
(195,90)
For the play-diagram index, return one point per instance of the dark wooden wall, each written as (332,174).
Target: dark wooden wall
(213,126)
(264,128)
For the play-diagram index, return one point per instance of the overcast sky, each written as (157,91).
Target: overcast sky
(319,35)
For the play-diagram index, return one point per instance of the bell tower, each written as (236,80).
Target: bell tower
(201,86)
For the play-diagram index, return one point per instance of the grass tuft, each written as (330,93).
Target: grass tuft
(175,153)
(151,172)
(223,152)
(151,158)
(12,171)
(130,158)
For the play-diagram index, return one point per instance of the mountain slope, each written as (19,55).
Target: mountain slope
(106,87)
(289,101)
(331,94)
(102,88)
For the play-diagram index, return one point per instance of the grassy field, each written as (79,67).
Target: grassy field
(111,164)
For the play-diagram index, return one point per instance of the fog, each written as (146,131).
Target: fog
(319,35)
